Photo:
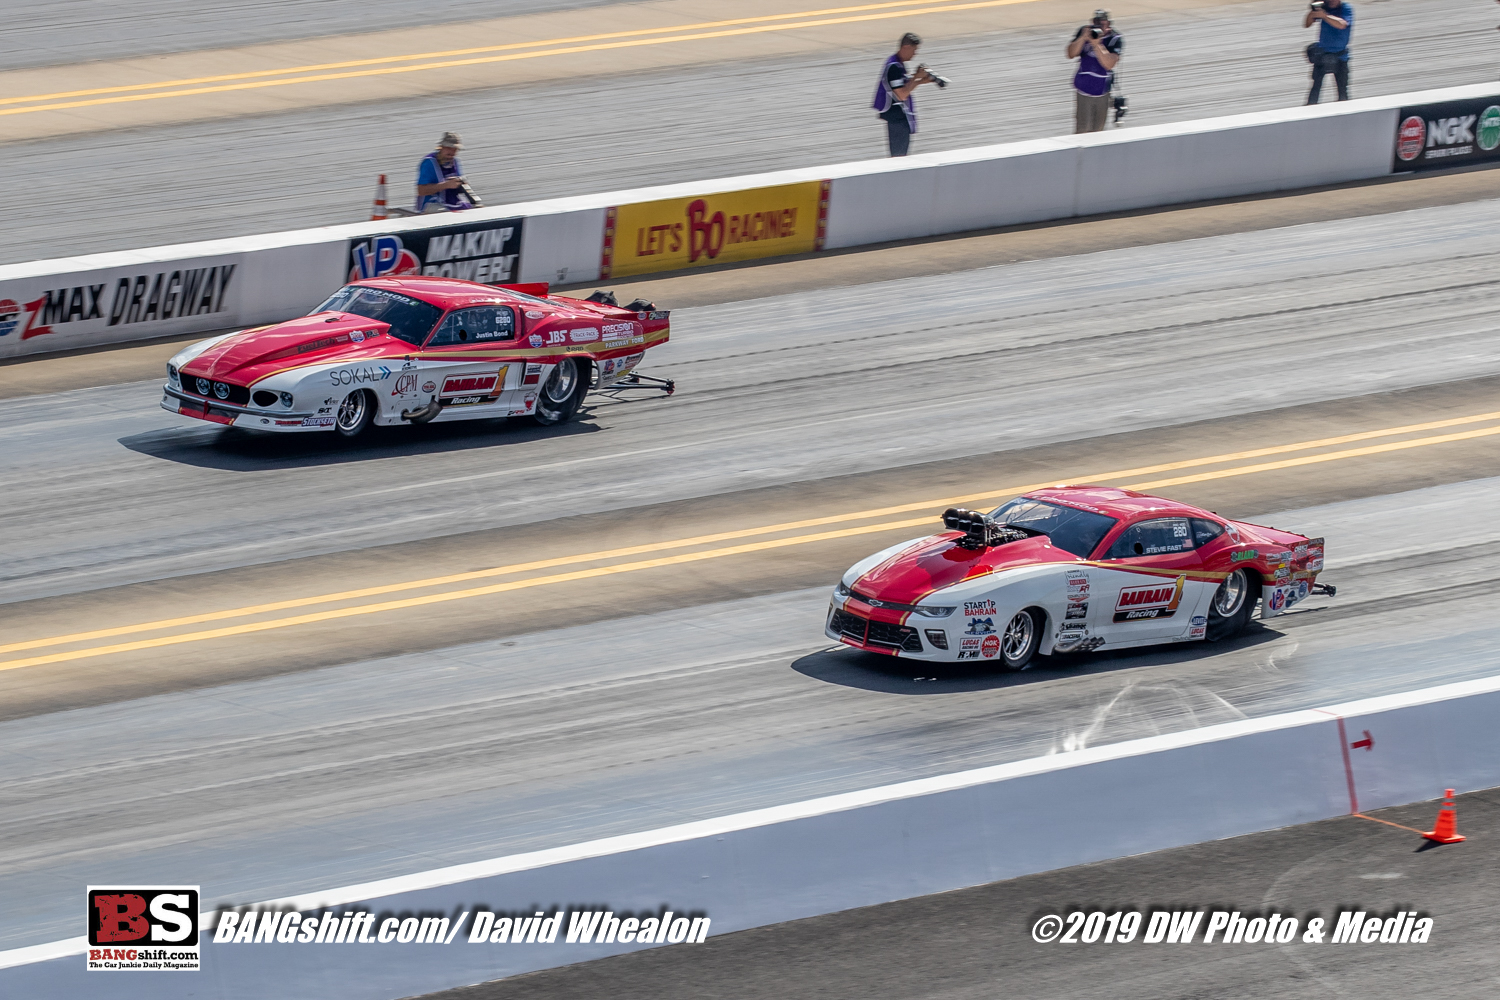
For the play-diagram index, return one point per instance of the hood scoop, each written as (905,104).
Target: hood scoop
(296,338)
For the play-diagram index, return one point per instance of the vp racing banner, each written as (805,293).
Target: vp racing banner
(488,252)
(1447,134)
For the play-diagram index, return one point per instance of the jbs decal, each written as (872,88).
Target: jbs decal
(1149,602)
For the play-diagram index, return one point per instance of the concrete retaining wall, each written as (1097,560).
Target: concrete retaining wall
(862,848)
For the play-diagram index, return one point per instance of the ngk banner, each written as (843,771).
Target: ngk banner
(487,252)
(56,312)
(1449,134)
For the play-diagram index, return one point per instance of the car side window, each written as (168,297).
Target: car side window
(477,325)
(1205,531)
(1153,538)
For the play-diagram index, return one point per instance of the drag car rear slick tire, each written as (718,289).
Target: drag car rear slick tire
(355,413)
(1232,604)
(1020,639)
(562,394)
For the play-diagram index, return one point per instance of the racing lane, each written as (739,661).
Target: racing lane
(384,767)
(637,123)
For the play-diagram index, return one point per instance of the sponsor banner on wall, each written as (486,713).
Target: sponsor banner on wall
(487,252)
(137,302)
(714,229)
(1448,134)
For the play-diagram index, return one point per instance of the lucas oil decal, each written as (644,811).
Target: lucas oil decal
(1157,600)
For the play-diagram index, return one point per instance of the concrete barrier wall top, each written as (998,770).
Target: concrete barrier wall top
(137,294)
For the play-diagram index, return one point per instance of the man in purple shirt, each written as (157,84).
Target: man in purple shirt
(893,100)
(1097,47)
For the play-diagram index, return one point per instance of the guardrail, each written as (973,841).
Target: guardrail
(856,849)
(164,291)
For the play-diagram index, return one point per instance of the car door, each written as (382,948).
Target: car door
(465,346)
(1150,591)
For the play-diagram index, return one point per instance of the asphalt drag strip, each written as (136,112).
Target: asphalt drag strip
(977,942)
(383,767)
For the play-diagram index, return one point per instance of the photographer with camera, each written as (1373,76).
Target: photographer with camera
(1097,47)
(1330,53)
(440,180)
(893,94)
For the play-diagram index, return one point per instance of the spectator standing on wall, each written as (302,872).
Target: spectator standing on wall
(440,179)
(1330,54)
(893,94)
(1097,47)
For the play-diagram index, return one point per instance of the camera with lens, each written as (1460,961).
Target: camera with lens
(941,81)
(1317,5)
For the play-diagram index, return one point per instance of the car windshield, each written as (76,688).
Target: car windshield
(1076,531)
(411,320)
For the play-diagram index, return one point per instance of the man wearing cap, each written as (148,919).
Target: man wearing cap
(1097,47)
(893,100)
(440,179)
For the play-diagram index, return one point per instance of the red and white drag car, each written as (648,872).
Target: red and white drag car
(1069,569)
(415,350)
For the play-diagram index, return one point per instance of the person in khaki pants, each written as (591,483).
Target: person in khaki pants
(1097,47)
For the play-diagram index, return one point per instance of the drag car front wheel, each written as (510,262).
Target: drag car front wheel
(1020,639)
(563,392)
(355,413)
(1231,607)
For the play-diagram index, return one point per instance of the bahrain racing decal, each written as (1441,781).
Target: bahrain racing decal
(1150,602)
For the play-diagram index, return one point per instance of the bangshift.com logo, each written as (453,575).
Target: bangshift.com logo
(152,928)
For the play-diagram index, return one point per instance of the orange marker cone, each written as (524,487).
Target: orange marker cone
(1445,830)
(378,212)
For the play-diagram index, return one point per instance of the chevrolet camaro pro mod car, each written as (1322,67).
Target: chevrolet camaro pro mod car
(415,350)
(1066,569)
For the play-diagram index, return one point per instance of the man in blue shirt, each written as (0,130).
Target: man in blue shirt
(440,179)
(1332,52)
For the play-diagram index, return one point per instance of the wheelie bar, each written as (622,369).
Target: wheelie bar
(635,380)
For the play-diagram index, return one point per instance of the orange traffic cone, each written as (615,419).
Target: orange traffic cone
(378,212)
(1445,830)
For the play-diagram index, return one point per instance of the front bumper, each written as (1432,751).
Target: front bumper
(857,627)
(233,415)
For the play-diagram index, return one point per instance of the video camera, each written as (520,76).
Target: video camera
(1101,18)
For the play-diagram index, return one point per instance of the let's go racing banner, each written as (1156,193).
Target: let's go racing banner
(1449,134)
(714,229)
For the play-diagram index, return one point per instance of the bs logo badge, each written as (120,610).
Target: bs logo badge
(151,928)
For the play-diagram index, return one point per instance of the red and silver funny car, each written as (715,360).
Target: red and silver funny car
(1069,569)
(414,350)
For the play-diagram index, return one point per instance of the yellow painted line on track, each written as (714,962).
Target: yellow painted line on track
(321,77)
(457,595)
(1332,456)
(722,536)
(450,53)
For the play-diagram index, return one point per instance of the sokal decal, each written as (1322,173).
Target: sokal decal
(358,376)
(142,928)
(1447,134)
(1150,602)
(487,252)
